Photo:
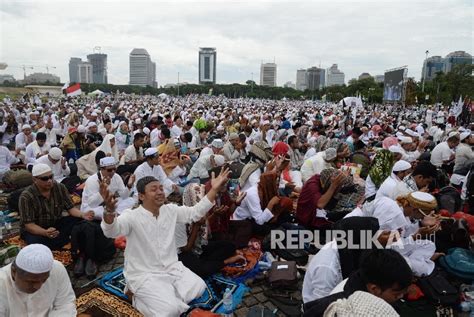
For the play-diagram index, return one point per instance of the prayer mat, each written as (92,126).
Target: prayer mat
(8,253)
(63,256)
(114,282)
(216,285)
(98,303)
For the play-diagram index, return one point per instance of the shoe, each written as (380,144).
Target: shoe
(91,269)
(79,267)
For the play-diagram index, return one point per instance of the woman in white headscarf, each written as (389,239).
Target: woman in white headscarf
(109,147)
(123,137)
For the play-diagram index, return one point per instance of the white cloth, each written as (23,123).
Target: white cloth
(311,152)
(314,165)
(440,153)
(6,159)
(131,154)
(323,273)
(176,131)
(162,286)
(203,165)
(250,208)
(51,135)
(21,140)
(370,188)
(155,137)
(91,198)
(387,189)
(108,149)
(55,298)
(230,153)
(33,149)
(206,151)
(410,156)
(156,171)
(464,156)
(57,169)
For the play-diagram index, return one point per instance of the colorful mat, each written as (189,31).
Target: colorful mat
(98,303)
(211,299)
(63,256)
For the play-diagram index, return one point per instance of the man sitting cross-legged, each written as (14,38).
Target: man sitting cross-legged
(162,285)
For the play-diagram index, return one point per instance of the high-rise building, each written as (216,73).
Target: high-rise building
(207,65)
(84,73)
(435,64)
(301,80)
(365,76)
(142,69)
(379,78)
(73,64)
(334,76)
(268,74)
(99,67)
(315,78)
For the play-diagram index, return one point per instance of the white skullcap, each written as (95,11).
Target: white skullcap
(465,135)
(217,143)
(151,151)
(395,149)
(138,121)
(406,140)
(220,128)
(410,132)
(146,131)
(80,111)
(91,124)
(107,161)
(401,166)
(422,196)
(55,153)
(453,134)
(401,128)
(35,259)
(94,114)
(26,126)
(81,129)
(219,159)
(40,169)
(330,153)
(233,136)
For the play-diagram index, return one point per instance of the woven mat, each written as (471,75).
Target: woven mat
(99,303)
(63,256)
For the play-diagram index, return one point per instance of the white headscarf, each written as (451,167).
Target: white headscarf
(107,149)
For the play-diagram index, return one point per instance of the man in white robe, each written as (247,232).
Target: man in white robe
(36,285)
(399,171)
(93,198)
(37,148)
(57,163)
(161,285)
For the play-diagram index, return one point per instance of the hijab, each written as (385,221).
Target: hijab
(107,148)
(381,167)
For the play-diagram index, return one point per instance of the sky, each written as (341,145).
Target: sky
(359,36)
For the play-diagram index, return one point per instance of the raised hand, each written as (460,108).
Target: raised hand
(221,179)
(110,205)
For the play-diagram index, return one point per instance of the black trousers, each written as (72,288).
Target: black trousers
(211,260)
(63,225)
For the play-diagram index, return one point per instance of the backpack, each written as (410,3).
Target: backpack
(438,290)
(449,198)
(459,262)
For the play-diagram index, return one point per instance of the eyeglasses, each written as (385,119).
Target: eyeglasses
(45,178)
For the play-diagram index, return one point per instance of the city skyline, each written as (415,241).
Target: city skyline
(364,37)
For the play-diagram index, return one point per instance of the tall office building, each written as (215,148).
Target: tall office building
(435,64)
(315,78)
(207,65)
(268,74)
(84,73)
(334,76)
(142,69)
(73,65)
(301,80)
(99,67)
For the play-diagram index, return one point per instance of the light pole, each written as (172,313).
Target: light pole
(424,71)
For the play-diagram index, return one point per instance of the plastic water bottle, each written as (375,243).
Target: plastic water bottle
(227,303)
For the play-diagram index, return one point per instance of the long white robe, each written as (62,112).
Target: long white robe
(387,189)
(55,298)
(59,172)
(161,284)
(156,171)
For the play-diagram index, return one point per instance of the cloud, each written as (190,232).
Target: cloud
(370,36)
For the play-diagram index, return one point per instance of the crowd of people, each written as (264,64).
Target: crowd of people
(190,180)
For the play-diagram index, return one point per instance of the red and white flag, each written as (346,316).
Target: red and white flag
(74,90)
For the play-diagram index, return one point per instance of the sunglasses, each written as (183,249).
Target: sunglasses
(45,178)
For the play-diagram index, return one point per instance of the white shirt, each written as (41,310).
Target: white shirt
(91,197)
(155,137)
(253,180)
(440,153)
(6,159)
(131,153)
(370,188)
(464,155)
(33,149)
(21,141)
(230,153)
(151,245)
(410,156)
(250,208)
(310,153)
(55,298)
(314,165)
(323,273)
(206,151)
(57,169)
(176,131)
(156,171)
(387,189)
(51,135)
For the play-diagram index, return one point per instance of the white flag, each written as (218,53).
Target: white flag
(457,109)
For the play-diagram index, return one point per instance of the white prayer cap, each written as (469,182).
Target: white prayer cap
(410,132)
(217,143)
(81,129)
(219,159)
(146,131)
(395,149)
(401,128)
(40,169)
(94,114)
(453,134)
(465,135)
(80,111)
(107,161)
(422,196)
(220,128)
(399,134)
(405,140)
(55,153)
(26,126)
(151,151)
(138,121)
(330,153)
(401,166)
(91,124)
(233,136)
(35,259)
